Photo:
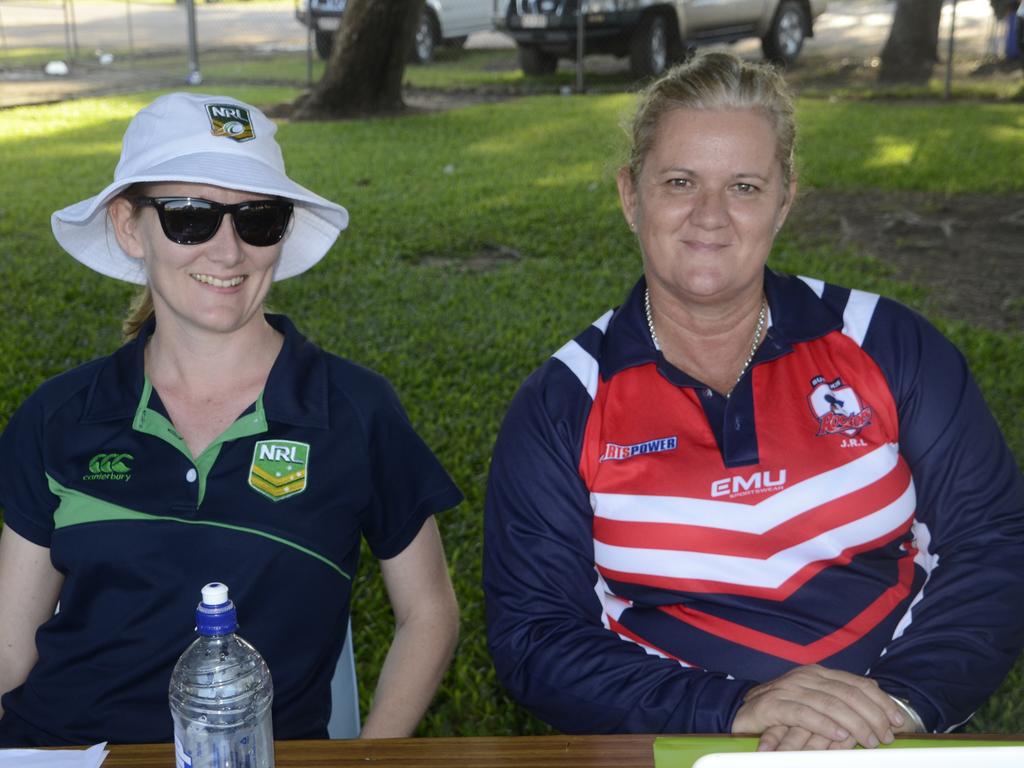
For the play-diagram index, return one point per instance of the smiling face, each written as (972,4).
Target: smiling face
(216,286)
(707,203)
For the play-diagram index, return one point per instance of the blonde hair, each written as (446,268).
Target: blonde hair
(139,313)
(141,308)
(715,81)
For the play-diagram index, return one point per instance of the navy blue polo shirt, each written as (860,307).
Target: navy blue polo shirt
(92,468)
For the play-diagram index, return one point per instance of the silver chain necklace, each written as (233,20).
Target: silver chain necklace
(762,318)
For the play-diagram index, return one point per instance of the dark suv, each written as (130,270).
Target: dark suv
(652,32)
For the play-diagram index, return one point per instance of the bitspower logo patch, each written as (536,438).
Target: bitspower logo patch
(110,466)
(280,468)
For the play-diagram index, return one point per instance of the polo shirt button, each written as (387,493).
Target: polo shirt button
(191,475)
(708,393)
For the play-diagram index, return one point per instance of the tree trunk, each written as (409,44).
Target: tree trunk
(912,49)
(363,75)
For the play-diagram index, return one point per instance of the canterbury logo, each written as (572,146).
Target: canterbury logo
(103,463)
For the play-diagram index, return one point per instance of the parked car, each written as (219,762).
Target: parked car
(444,22)
(652,33)
(1020,33)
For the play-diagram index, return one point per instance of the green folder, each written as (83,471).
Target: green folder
(683,751)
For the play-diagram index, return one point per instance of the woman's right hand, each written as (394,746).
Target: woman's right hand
(812,707)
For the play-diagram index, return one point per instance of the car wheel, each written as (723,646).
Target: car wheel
(427,37)
(649,48)
(787,33)
(324,42)
(534,61)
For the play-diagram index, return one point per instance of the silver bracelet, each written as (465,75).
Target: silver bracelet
(910,716)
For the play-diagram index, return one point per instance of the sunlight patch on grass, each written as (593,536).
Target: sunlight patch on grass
(570,174)
(1007,134)
(51,120)
(891,152)
(525,140)
(955,149)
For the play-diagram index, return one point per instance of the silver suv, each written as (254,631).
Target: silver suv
(444,22)
(652,33)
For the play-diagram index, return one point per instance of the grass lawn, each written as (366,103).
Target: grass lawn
(481,239)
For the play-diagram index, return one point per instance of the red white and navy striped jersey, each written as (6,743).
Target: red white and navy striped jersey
(653,549)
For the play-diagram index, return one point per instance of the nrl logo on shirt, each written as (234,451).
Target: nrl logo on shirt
(279,468)
(110,466)
(230,121)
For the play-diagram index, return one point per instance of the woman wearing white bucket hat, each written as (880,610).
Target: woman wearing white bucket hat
(217,444)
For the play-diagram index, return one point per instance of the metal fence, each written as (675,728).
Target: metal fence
(154,40)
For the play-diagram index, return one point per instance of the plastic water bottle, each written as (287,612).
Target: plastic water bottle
(220,694)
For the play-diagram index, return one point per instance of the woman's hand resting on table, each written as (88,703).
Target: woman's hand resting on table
(817,708)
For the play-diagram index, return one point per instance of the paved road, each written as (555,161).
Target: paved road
(106,24)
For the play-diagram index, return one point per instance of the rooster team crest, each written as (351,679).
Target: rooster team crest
(231,121)
(837,408)
(279,468)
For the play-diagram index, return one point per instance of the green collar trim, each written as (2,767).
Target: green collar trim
(154,423)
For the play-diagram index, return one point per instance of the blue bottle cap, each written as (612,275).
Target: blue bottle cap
(215,614)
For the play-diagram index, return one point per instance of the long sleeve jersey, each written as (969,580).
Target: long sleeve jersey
(653,549)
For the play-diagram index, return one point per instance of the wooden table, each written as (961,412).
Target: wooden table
(464,752)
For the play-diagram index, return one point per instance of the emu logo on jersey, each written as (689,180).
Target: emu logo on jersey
(837,408)
(759,482)
(231,121)
(616,452)
(279,468)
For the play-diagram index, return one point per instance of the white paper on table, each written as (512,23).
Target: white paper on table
(49,758)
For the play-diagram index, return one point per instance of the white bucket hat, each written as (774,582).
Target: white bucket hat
(200,139)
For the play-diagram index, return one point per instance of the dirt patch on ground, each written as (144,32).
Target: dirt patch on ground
(966,251)
(486,259)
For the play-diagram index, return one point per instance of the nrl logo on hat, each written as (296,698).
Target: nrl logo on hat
(231,121)
(279,468)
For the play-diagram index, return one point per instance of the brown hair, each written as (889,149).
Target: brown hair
(715,81)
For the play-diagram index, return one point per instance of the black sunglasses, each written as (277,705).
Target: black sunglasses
(193,220)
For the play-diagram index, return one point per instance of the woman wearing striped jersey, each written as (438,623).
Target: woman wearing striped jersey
(742,501)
